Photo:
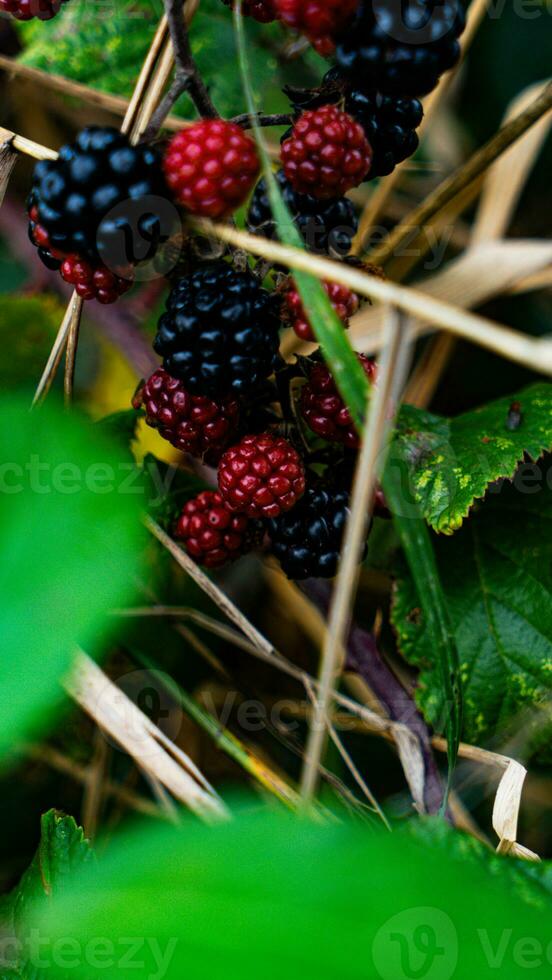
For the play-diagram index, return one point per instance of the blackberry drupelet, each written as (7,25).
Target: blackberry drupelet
(401,49)
(307,541)
(192,423)
(327,227)
(27,9)
(390,123)
(103,198)
(220,332)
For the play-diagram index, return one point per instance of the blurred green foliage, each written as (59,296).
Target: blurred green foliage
(71,540)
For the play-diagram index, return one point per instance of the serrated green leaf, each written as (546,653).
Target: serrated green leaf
(62,851)
(497,579)
(98,45)
(63,848)
(453,461)
(298,899)
(104,45)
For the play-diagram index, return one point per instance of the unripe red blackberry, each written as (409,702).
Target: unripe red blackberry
(323,408)
(192,423)
(344,302)
(93,283)
(211,533)
(211,167)
(263,476)
(326,154)
(320,20)
(261,10)
(27,9)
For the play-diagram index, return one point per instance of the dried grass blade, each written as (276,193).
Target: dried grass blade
(8,157)
(478,275)
(369,467)
(507,177)
(117,715)
(506,812)
(463,177)
(522,348)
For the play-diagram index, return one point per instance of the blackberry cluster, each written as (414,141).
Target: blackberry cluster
(401,49)
(28,9)
(326,226)
(102,199)
(307,541)
(219,334)
(389,121)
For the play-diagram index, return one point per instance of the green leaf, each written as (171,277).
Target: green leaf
(104,46)
(497,579)
(62,851)
(453,461)
(63,848)
(71,540)
(296,899)
(101,48)
(328,328)
(418,550)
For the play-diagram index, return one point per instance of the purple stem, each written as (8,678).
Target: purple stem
(364,659)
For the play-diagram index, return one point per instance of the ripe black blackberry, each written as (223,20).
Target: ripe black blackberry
(327,227)
(401,49)
(307,541)
(103,199)
(220,332)
(390,123)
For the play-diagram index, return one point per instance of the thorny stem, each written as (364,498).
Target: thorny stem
(187,76)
